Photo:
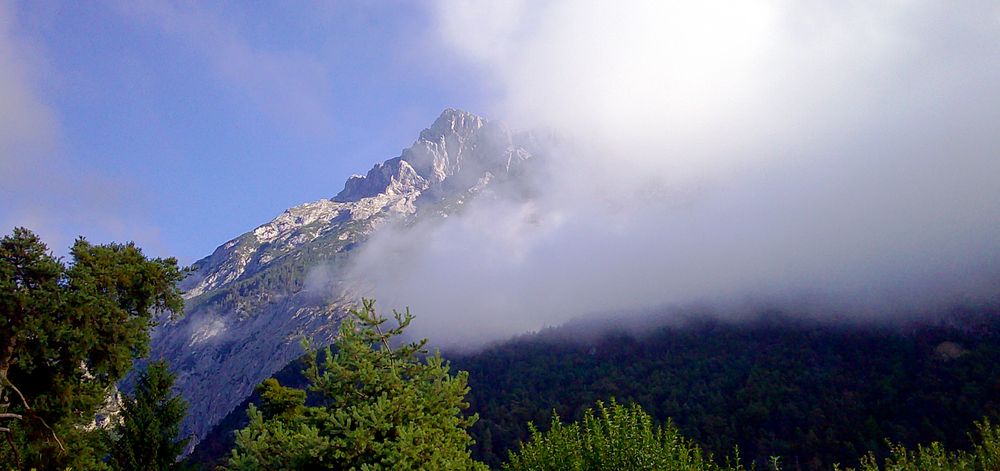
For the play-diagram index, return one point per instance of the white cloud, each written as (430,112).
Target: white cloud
(40,187)
(841,153)
(27,125)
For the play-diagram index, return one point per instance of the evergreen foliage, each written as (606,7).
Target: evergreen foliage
(67,333)
(380,407)
(619,437)
(280,401)
(813,394)
(616,437)
(150,423)
(985,455)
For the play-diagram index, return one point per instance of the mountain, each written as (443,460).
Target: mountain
(249,303)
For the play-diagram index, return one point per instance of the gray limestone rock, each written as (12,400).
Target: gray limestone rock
(251,302)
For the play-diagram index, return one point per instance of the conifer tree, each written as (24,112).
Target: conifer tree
(68,332)
(150,422)
(615,437)
(381,406)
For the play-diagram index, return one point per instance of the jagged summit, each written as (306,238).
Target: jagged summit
(453,120)
(257,295)
(456,140)
(429,153)
(393,175)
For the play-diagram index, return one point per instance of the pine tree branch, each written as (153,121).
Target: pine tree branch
(31,411)
(10,441)
(385,340)
(377,323)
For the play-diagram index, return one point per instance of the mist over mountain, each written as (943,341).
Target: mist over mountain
(467,227)
(840,160)
(802,162)
(251,303)
(776,222)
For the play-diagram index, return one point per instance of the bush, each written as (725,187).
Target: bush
(615,437)
(985,456)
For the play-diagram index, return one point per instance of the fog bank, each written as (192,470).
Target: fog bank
(842,157)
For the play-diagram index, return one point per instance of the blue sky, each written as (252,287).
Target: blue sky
(181,125)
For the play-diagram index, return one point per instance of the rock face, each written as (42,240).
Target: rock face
(256,296)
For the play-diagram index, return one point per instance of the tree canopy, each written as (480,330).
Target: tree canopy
(615,437)
(68,332)
(380,406)
(147,437)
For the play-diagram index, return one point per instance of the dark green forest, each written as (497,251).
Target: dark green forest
(812,393)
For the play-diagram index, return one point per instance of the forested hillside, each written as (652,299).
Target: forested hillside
(811,393)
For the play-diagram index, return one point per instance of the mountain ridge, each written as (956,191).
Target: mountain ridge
(249,302)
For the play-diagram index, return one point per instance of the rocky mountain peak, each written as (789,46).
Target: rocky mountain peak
(256,296)
(453,121)
(394,176)
(458,142)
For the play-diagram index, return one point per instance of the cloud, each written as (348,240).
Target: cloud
(677,75)
(837,156)
(291,87)
(27,125)
(39,185)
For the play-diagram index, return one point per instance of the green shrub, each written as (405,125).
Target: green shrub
(985,456)
(615,437)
